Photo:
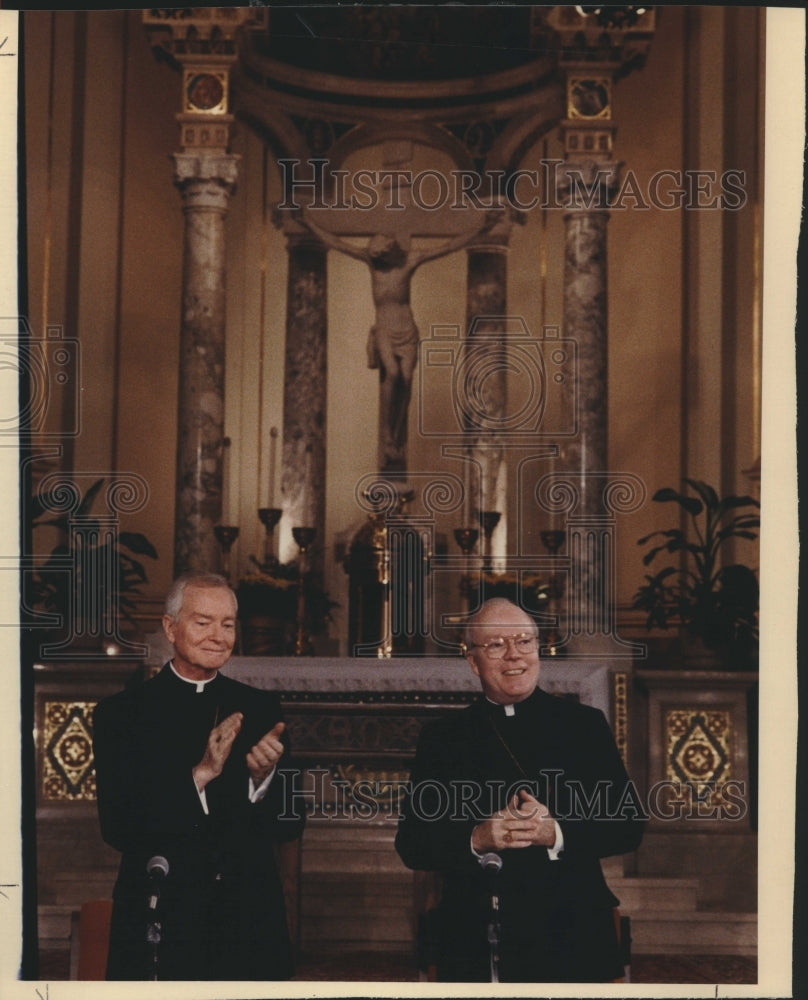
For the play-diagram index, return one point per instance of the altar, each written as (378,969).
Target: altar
(353,724)
(357,720)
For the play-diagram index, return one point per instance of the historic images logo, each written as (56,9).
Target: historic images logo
(554,185)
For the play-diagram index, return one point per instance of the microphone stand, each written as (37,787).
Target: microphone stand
(491,864)
(493,938)
(156,869)
(154,934)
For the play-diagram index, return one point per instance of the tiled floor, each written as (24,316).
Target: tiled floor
(396,967)
(382,967)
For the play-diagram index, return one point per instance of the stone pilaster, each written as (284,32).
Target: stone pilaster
(304,398)
(203,45)
(206,182)
(585,186)
(585,314)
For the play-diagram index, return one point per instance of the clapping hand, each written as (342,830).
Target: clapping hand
(266,753)
(217,750)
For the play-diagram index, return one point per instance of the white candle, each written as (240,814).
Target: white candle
(484,479)
(273,441)
(551,472)
(306,516)
(226,481)
(466,508)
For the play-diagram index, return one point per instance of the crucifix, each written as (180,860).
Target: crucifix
(392,345)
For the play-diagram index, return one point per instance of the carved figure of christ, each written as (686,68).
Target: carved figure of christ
(392,344)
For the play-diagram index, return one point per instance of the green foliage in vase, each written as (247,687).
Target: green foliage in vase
(93,562)
(713,602)
(273,590)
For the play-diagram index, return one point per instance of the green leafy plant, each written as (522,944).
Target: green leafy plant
(713,603)
(273,590)
(95,562)
(529,591)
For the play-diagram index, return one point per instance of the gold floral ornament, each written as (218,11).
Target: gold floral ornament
(66,754)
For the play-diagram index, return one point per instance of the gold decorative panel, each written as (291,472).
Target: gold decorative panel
(698,755)
(376,790)
(620,712)
(67,772)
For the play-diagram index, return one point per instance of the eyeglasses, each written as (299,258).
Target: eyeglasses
(496,648)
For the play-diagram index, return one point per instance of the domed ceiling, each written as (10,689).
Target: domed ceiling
(396,43)
(482,82)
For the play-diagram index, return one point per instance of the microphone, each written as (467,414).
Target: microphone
(490,863)
(157,870)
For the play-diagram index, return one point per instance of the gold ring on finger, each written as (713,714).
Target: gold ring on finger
(508,837)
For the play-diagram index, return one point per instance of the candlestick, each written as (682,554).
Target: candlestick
(304,536)
(483,492)
(269,517)
(552,540)
(466,507)
(273,443)
(306,512)
(466,538)
(225,534)
(489,519)
(551,472)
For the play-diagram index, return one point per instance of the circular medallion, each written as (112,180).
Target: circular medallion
(204,91)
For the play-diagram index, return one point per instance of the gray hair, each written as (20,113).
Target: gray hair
(195,578)
(493,604)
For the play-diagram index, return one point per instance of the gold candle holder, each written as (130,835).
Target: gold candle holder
(225,534)
(467,538)
(269,517)
(489,519)
(552,539)
(303,537)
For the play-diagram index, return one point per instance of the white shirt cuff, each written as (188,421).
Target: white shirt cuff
(202,797)
(554,851)
(256,794)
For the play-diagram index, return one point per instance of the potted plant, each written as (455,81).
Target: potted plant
(530,592)
(92,577)
(268,606)
(714,606)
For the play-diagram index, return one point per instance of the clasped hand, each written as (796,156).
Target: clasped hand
(261,758)
(523,823)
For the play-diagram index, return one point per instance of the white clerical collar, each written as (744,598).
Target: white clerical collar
(200,685)
(508,709)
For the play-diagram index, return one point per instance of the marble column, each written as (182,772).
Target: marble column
(305,387)
(206,182)
(585,188)
(484,382)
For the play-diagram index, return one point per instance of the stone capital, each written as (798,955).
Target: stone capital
(206,180)
(617,38)
(587,183)
(194,33)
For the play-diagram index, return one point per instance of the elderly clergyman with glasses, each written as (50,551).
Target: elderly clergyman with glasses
(513,801)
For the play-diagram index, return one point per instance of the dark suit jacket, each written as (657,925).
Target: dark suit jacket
(221,909)
(556,916)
